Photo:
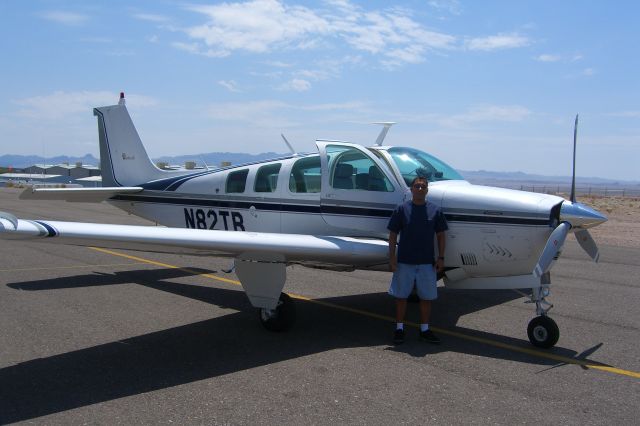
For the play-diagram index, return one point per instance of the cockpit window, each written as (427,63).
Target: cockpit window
(413,162)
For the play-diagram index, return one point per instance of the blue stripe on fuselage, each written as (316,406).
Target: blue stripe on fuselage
(324,209)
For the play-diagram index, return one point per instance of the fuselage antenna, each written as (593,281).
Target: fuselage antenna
(293,151)
(383,133)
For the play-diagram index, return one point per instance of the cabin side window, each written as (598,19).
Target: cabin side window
(352,169)
(305,175)
(267,178)
(236,181)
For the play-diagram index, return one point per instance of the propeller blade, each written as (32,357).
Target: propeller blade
(573,179)
(588,244)
(551,249)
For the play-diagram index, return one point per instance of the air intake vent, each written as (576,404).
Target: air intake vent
(468,259)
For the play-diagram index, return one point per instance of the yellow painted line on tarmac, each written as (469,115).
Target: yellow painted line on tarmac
(54,268)
(164,265)
(531,352)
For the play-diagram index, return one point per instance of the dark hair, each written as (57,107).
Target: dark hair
(419,178)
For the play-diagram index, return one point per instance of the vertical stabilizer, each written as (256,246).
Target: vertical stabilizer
(123,159)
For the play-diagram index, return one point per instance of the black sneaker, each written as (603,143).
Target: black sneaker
(398,336)
(429,336)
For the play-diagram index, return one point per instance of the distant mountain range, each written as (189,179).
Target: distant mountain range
(216,158)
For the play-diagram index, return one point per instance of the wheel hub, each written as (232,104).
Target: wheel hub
(540,333)
(267,314)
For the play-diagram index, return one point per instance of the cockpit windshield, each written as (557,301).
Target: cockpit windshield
(413,162)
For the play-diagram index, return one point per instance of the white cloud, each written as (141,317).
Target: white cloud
(500,41)
(256,26)
(230,85)
(151,17)
(475,115)
(65,18)
(296,85)
(196,49)
(61,104)
(451,6)
(262,26)
(588,72)
(548,58)
(344,106)
(627,114)
(279,64)
(277,114)
(256,113)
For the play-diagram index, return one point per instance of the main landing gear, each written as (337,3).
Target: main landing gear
(543,332)
(281,318)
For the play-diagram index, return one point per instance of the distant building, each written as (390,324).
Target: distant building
(78,174)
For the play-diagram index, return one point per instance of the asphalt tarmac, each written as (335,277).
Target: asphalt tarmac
(95,336)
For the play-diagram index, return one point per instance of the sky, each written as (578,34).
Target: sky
(483,85)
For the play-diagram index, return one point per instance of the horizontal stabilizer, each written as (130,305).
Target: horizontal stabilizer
(77,195)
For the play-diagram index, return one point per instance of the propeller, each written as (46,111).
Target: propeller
(552,249)
(588,244)
(572,215)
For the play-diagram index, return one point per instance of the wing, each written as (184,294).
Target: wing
(83,195)
(260,246)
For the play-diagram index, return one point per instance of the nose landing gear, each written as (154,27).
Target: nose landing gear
(543,332)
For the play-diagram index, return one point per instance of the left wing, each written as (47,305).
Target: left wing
(259,246)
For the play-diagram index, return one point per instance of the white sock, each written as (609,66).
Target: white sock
(399,326)
(424,327)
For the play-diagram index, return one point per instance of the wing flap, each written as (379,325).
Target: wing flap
(77,195)
(248,245)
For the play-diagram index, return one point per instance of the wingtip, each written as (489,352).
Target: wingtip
(10,218)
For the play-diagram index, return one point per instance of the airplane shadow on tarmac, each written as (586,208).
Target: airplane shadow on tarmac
(211,348)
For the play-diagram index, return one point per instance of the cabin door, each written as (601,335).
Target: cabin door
(357,194)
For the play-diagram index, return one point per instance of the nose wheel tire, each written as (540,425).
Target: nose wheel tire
(543,332)
(281,318)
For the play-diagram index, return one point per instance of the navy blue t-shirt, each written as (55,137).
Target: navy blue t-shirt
(417,226)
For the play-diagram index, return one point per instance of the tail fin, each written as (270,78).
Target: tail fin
(123,159)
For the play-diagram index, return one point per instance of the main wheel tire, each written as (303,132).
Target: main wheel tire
(543,332)
(281,318)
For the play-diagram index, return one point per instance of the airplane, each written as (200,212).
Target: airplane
(328,209)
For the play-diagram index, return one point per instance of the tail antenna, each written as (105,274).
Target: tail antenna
(206,167)
(573,178)
(383,133)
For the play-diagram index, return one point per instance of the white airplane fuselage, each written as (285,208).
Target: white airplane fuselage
(493,232)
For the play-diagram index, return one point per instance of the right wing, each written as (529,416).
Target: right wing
(259,246)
